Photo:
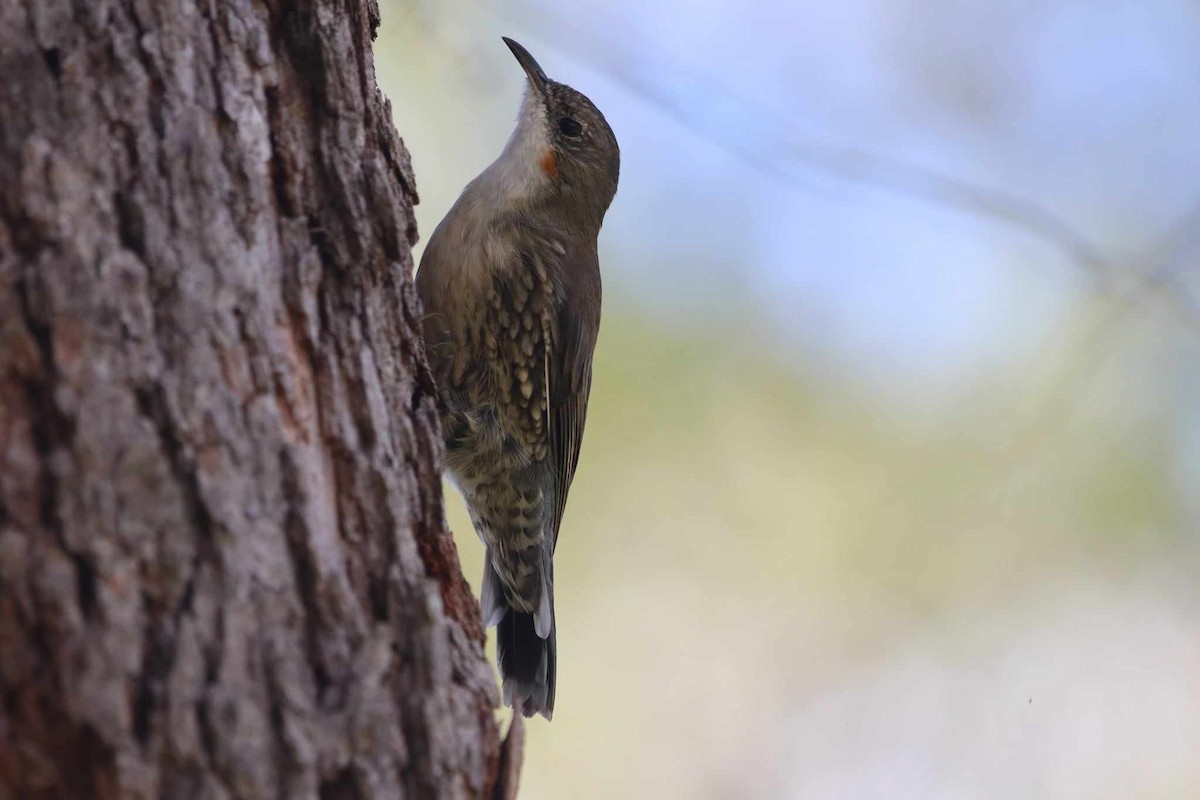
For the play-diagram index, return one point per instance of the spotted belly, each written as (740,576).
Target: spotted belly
(506,492)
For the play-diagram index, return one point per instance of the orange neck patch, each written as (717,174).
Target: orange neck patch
(549,164)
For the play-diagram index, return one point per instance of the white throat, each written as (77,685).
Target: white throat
(519,173)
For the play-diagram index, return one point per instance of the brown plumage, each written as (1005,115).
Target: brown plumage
(510,284)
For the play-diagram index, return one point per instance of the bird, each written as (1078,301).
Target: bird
(510,289)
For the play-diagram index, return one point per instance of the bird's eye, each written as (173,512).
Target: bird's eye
(569,127)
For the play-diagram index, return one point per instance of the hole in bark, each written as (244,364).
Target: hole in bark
(379,605)
(141,711)
(131,225)
(85,584)
(320,240)
(158,655)
(53,61)
(340,787)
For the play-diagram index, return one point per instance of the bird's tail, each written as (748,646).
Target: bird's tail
(525,647)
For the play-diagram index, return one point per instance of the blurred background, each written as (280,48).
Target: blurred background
(891,483)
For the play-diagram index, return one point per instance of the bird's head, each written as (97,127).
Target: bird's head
(562,144)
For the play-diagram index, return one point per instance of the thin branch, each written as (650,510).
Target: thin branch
(845,163)
(1083,363)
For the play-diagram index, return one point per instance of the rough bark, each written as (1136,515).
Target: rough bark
(224,571)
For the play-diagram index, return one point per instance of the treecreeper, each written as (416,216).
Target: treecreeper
(510,284)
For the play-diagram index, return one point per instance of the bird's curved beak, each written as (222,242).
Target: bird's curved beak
(528,63)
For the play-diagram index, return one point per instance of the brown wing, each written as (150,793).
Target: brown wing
(540,340)
(569,376)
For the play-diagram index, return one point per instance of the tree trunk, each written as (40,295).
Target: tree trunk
(224,570)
